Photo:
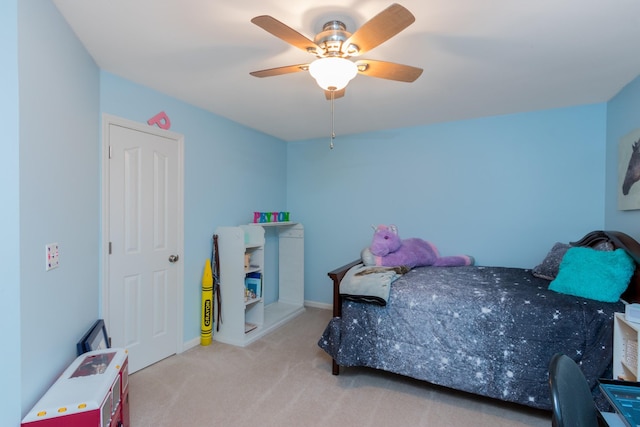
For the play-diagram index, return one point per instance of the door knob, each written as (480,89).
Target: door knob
(173,258)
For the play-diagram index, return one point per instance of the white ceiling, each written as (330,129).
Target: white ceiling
(480,58)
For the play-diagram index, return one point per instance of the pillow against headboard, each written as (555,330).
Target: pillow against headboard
(593,274)
(548,268)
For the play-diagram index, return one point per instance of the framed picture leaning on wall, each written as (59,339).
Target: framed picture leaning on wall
(95,338)
(629,171)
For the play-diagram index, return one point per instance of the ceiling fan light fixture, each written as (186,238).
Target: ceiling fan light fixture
(333,73)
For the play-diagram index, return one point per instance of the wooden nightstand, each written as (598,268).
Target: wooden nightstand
(625,348)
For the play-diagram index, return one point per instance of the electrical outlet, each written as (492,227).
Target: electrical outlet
(53,256)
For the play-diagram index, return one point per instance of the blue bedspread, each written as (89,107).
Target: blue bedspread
(485,330)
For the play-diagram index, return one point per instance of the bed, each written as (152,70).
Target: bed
(485,330)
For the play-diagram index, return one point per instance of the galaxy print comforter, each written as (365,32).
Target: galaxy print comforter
(485,330)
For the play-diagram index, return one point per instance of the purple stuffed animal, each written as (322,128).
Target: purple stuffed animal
(387,249)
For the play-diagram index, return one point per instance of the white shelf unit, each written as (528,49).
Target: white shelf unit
(625,348)
(238,312)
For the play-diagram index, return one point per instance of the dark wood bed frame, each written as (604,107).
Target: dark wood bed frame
(617,238)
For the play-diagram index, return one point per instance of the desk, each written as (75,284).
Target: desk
(624,397)
(612,419)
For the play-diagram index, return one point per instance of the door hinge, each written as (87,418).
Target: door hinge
(109,248)
(109,152)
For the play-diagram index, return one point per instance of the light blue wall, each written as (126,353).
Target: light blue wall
(10,402)
(230,172)
(622,118)
(59,193)
(502,189)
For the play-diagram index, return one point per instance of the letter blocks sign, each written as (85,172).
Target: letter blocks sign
(262,217)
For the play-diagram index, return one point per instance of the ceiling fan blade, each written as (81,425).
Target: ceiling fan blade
(388,70)
(381,28)
(336,93)
(285,33)
(280,70)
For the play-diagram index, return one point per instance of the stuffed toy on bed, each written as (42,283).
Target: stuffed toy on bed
(387,249)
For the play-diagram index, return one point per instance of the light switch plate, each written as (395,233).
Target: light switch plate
(53,256)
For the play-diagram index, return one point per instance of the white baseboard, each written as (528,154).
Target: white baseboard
(191,344)
(316,304)
(196,341)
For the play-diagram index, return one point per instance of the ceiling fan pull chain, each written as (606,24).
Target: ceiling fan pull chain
(333,133)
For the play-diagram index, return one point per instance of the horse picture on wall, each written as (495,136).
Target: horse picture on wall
(629,171)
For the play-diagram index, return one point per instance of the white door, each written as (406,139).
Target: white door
(143,299)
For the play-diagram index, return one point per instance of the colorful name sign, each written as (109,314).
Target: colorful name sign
(259,217)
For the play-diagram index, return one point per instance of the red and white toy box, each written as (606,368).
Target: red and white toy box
(92,392)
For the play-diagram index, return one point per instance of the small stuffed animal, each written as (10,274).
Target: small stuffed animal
(387,249)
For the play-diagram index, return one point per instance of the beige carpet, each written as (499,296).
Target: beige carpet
(284,379)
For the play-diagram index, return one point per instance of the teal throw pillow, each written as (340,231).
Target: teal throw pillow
(593,274)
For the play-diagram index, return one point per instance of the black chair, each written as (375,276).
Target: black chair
(573,404)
